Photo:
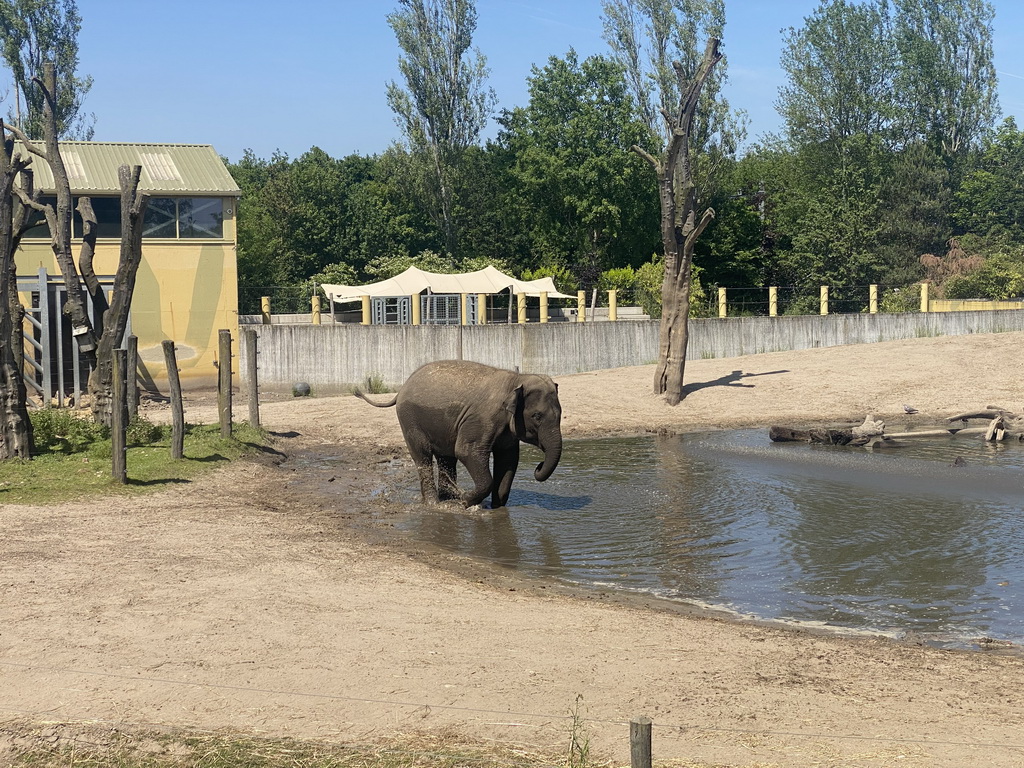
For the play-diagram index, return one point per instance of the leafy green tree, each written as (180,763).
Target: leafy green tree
(839,68)
(444,105)
(590,201)
(946,78)
(990,201)
(33,32)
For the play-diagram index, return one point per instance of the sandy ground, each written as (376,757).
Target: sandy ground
(255,599)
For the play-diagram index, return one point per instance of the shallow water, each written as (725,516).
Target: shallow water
(900,541)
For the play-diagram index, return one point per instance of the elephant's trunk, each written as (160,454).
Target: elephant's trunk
(552,448)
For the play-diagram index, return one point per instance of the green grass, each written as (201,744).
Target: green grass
(73,461)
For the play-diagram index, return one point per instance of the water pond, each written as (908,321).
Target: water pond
(907,542)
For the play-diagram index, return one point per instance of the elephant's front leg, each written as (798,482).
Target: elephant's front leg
(477,461)
(447,487)
(506,462)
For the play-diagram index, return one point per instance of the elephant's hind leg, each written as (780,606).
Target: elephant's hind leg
(447,488)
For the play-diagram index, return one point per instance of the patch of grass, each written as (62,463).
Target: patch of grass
(61,746)
(374,385)
(73,459)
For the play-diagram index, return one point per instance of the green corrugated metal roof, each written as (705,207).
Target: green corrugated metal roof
(169,169)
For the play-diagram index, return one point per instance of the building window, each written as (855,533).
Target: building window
(184,218)
(166,217)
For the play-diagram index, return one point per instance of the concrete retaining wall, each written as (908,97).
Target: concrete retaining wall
(332,358)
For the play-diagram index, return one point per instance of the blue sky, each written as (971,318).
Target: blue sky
(287,76)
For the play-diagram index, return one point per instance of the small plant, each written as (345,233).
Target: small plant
(141,431)
(374,385)
(579,739)
(59,430)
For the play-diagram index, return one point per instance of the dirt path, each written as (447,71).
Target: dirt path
(248,600)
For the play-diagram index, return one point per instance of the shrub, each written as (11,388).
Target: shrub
(59,430)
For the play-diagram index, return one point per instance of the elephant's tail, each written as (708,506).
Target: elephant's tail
(362,396)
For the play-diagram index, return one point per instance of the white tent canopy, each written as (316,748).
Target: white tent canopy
(413,280)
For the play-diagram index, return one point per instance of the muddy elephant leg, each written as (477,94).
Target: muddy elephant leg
(478,464)
(447,488)
(506,461)
(424,461)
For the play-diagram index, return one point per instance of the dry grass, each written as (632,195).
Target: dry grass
(85,745)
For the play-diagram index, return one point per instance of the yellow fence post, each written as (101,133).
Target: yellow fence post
(521,306)
(924,297)
(613,304)
(481,309)
(265,309)
(824,299)
(316,310)
(366,311)
(581,306)
(543,306)
(773,302)
(873,299)
(463,309)
(415,298)
(723,308)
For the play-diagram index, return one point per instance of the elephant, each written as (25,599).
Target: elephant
(456,410)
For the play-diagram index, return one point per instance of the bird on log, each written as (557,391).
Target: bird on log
(1002,425)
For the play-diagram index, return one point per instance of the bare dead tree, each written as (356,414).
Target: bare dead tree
(681,225)
(58,217)
(115,319)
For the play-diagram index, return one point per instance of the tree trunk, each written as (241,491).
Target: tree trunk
(59,219)
(115,319)
(680,228)
(15,425)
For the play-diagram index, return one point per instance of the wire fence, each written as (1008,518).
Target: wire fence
(574,719)
(707,301)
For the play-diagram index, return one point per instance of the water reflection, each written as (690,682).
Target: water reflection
(895,541)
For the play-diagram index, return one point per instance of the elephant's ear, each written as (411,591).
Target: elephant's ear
(514,400)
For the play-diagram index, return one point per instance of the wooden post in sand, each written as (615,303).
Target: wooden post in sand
(640,742)
(224,382)
(177,409)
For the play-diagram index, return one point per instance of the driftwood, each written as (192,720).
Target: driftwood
(1002,424)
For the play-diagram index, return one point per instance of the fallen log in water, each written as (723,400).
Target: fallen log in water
(871,433)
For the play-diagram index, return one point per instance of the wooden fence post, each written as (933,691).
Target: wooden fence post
(119,418)
(224,383)
(773,301)
(314,317)
(824,300)
(613,304)
(265,310)
(723,304)
(250,340)
(543,306)
(873,299)
(640,742)
(581,306)
(130,370)
(177,409)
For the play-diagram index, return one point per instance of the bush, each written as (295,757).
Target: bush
(59,430)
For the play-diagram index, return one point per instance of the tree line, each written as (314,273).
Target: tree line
(859,187)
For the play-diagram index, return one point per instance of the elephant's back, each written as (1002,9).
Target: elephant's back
(453,380)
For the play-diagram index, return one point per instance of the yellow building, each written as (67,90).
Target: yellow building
(187,284)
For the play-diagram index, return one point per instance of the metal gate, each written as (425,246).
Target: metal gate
(55,372)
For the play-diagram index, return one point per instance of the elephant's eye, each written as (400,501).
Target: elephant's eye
(538,416)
